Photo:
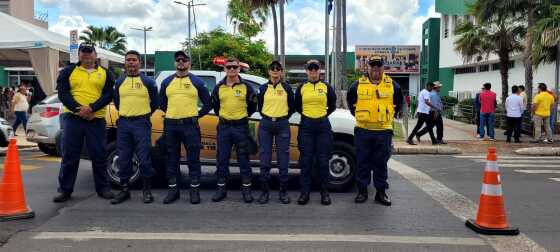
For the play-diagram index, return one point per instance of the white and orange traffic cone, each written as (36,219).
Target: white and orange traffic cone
(491,218)
(12,197)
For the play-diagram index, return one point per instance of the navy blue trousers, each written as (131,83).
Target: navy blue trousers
(277,132)
(315,146)
(74,131)
(134,136)
(230,135)
(188,134)
(373,150)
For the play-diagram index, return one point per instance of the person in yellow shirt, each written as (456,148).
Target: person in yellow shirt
(135,97)
(234,101)
(315,101)
(542,107)
(374,100)
(84,89)
(276,105)
(180,95)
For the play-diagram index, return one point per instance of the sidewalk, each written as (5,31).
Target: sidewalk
(22,142)
(462,136)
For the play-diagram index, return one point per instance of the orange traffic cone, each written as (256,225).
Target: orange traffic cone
(491,218)
(12,198)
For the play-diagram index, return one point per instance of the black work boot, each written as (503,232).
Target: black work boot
(303,198)
(382,198)
(362,195)
(147,196)
(325,198)
(195,192)
(283,195)
(123,195)
(264,197)
(221,192)
(246,192)
(173,193)
(62,197)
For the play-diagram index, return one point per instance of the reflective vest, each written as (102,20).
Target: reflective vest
(374,107)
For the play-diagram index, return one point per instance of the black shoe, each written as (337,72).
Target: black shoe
(303,198)
(362,195)
(382,198)
(410,141)
(442,142)
(264,197)
(246,191)
(283,196)
(325,198)
(121,197)
(62,197)
(173,194)
(147,196)
(221,193)
(508,140)
(418,138)
(518,141)
(106,194)
(194,195)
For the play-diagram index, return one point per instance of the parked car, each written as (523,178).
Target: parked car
(6,132)
(342,164)
(43,126)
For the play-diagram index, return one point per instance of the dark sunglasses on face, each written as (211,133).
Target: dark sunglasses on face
(181,60)
(231,67)
(313,67)
(86,50)
(275,69)
(375,63)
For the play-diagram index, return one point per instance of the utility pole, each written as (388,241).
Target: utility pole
(327,65)
(189,5)
(144,29)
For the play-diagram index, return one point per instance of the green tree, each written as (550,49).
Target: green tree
(108,38)
(219,43)
(248,21)
(500,35)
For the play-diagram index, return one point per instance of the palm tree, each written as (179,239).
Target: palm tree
(249,21)
(107,38)
(500,35)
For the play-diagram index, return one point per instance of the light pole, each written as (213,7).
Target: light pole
(189,5)
(144,29)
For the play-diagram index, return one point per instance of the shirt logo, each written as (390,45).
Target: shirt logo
(98,75)
(320,91)
(186,85)
(237,93)
(136,85)
(279,92)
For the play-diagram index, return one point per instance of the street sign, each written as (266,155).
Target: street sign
(74,46)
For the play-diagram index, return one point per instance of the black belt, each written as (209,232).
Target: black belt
(314,119)
(133,118)
(188,120)
(274,119)
(74,116)
(243,121)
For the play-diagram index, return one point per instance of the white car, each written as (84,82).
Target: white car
(43,126)
(6,132)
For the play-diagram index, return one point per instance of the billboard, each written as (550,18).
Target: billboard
(74,46)
(397,59)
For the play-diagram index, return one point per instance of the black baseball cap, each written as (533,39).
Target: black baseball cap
(375,61)
(181,53)
(86,47)
(275,63)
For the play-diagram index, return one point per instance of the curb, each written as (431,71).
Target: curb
(539,151)
(435,150)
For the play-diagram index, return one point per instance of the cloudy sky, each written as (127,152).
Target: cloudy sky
(369,22)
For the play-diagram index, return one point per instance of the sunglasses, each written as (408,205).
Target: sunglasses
(86,49)
(313,67)
(181,60)
(275,69)
(231,67)
(375,63)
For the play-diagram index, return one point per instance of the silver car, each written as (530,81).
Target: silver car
(6,132)
(43,126)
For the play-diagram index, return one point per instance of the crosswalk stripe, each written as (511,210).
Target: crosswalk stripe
(539,171)
(555,179)
(512,157)
(89,235)
(528,165)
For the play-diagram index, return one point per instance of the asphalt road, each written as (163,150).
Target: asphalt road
(431,197)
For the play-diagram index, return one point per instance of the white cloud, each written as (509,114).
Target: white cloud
(67,23)
(368,22)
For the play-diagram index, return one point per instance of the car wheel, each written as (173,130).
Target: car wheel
(342,167)
(49,149)
(113,168)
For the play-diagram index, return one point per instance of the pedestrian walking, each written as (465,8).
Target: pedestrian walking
(423,114)
(20,105)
